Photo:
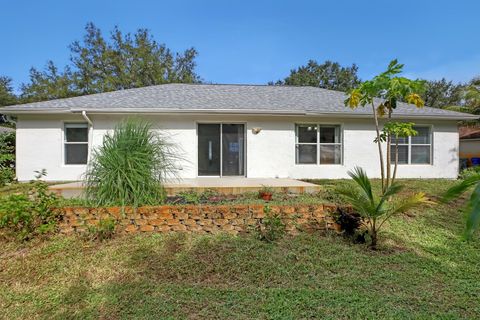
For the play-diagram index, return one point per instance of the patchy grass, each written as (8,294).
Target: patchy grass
(14,188)
(20,187)
(422,270)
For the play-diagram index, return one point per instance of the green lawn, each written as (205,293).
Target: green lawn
(422,270)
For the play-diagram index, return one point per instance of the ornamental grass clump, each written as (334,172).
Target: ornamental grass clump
(130,167)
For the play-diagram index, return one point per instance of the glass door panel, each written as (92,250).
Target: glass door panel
(209,150)
(233,142)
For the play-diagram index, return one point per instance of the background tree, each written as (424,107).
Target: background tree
(7,97)
(48,84)
(328,75)
(443,93)
(120,61)
(472,96)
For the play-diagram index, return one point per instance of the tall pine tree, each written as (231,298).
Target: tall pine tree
(120,61)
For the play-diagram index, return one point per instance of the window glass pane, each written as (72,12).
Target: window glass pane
(306,154)
(76,133)
(307,133)
(76,153)
(423,136)
(421,154)
(400,140)
(402,154)
(329,134)
(330,154)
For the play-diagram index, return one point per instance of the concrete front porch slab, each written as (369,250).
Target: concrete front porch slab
(225,185)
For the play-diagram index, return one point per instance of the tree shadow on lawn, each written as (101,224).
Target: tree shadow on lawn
(182,276)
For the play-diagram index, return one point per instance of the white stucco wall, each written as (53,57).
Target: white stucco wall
(271,153)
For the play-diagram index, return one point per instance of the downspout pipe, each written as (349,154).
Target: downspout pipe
(90,133)
(84,115)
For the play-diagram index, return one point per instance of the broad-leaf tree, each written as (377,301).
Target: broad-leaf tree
(396,131)
(382,94)
(376,210)
(328,75)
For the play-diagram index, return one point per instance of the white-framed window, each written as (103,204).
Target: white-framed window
(416,149)
(318,144)
(75,143)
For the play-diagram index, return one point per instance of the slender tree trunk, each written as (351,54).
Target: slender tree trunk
(380,152)
(387,178)
(388,164)
(396,162)
(373,236)
(373,244)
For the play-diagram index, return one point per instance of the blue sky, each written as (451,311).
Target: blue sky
(258,41)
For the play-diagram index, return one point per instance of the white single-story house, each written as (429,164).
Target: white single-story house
(252,131)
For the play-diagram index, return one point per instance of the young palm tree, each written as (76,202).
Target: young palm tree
(376,210)
(473,204)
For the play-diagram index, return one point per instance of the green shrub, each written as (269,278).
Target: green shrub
(190,197)
(272,228)
(130,167)
(7,175)
(29,214)
(469,172)
(7,158)
(193,197)
(103,231)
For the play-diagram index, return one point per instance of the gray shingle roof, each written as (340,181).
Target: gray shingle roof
(215,98)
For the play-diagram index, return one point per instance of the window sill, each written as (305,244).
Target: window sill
(320,165)
(73,165)
(413,164)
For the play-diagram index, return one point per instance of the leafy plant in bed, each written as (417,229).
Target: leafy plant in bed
(266,193)
(26,215)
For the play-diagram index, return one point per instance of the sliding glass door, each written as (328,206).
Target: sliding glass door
(221,149)
(209,149)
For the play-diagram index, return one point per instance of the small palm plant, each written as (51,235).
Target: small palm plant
(131,166)
(376,210)
(473,204)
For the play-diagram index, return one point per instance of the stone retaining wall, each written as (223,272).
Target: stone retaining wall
(199,218)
